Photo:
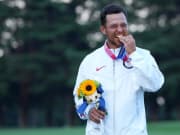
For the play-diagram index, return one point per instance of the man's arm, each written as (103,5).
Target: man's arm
(146,71)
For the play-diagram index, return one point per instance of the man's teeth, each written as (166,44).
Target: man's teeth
(118,36)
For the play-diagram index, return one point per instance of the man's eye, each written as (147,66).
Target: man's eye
(123,25)
(114,26)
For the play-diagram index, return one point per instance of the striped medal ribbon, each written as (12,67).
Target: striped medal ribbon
(121,55)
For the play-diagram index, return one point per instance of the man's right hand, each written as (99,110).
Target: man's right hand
(95,115)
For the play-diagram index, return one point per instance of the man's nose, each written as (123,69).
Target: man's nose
(119,29)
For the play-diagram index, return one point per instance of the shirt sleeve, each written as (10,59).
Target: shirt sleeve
(146,71)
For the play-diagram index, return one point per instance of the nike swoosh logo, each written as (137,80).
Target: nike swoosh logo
(99,68)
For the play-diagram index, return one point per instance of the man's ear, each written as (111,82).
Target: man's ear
(102,29)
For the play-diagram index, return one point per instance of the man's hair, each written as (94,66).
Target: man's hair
(111,9)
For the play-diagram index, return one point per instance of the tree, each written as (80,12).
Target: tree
(42,52)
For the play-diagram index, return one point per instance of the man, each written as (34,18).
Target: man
(125,72)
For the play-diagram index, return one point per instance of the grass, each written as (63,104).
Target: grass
(164,128)
(43,131)
(155,128)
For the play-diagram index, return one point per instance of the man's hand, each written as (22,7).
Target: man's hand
(129,43)
(95,115)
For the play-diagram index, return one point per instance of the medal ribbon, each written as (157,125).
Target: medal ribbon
(121,55)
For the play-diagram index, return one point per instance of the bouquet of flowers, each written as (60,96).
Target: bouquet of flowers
(91,93)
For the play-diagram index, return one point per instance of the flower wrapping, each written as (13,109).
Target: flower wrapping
(91,92)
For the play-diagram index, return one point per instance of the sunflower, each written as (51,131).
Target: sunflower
(87,87)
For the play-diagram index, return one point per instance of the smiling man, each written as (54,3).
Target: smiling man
(125,72)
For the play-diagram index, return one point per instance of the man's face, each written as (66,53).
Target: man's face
(116,25)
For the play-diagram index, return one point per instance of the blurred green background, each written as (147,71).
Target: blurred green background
(42,43)
(157,128)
